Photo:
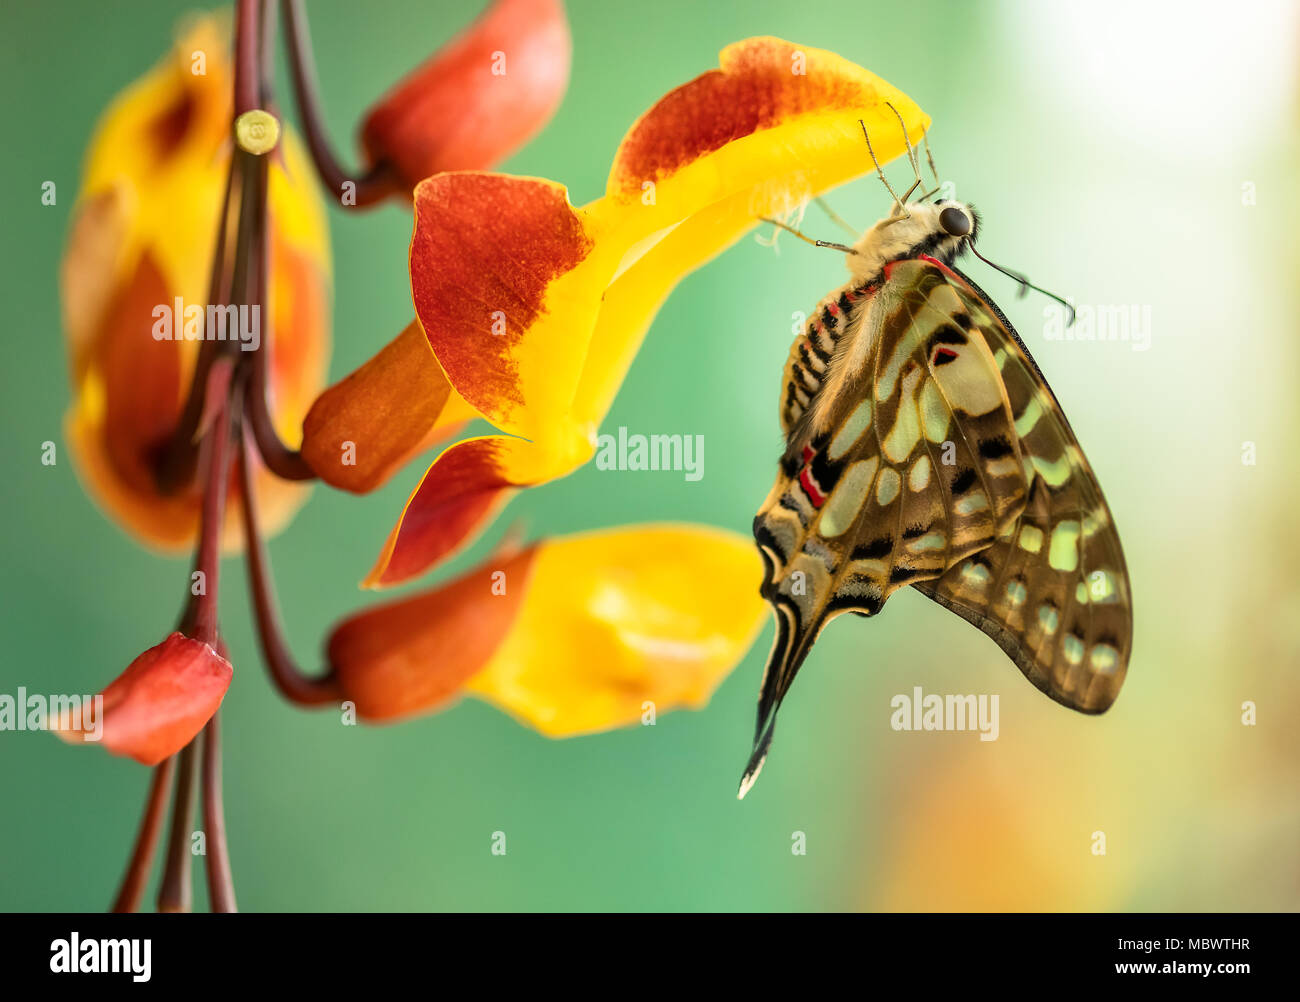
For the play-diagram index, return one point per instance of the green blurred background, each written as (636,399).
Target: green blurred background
(1107,145)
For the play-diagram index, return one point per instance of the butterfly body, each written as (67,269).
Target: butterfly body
(924,448)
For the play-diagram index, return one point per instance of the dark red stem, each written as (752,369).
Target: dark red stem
(293,684)
(175,893)
(248,56)
(146,839)
(372,187)
(221,885)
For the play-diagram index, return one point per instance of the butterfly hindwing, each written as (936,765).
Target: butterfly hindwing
(1052,590)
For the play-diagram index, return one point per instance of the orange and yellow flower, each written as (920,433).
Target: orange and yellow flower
(534,310)
(571,635)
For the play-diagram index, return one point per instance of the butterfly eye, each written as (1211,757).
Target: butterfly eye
(954,222)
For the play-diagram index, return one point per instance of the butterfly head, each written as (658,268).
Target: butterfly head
(940,230)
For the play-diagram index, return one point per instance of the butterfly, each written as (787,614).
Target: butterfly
(923,447)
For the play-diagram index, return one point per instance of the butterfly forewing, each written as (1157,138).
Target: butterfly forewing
(903,462)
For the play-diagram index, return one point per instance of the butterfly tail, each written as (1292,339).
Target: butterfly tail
(788,652)
(762,742)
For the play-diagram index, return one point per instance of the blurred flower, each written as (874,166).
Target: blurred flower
(142,238)
(571,635)
(479,98)
(535,309)
(163,699)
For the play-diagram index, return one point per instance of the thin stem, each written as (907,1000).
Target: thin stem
(146,839)
(248,58)
(221,886)
(268,53)
(285,673)
(279,458)
(175,893)
(285,463)
(200,618)
(380,181)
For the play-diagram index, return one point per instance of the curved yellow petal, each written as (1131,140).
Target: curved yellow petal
(619,625)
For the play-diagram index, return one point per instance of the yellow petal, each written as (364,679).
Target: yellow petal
(623,623)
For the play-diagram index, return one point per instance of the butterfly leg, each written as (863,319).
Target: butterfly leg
(835,217)
(807,239)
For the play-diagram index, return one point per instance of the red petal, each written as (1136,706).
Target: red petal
(484,250)
(163,699)
(759,85)
(478,99)
(460,493)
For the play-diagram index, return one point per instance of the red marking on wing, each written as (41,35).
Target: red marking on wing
(810,488)
(805,479)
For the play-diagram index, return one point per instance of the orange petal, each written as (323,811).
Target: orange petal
(87,275)
(478,99)
(413,655)
(363,428)
(142,378)
(620,626)
(156,707)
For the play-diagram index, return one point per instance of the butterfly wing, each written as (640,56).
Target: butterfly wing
(1052,589)
(865,502)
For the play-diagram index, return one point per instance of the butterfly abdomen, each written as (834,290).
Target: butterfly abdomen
(813,350)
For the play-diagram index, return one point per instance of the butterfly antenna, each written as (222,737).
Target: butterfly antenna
(930,157)
(911,154)
(1024,282)
(898,204)
(938,185)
